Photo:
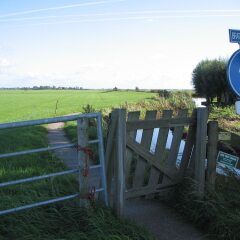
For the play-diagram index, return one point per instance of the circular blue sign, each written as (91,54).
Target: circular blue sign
(233,72)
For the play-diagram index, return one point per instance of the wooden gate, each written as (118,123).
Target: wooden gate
(150,156)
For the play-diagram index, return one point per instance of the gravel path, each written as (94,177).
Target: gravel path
(163,222)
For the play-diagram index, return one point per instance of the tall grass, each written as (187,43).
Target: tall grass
(217,213)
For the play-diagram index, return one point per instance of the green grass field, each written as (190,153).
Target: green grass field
(34,104)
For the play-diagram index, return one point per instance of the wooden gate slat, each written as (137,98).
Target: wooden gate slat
(162,138)
(129,153)
(188,150)
(119,163)
(200,149)
(110,153)
(141,165)
(176,140)
(160,147)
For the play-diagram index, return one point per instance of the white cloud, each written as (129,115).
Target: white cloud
(4,63)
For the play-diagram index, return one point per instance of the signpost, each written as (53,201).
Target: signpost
(233,69)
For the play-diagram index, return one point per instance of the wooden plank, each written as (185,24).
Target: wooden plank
(110,154)
(162,137)
(138,192)
(188,149)
(119,163)
(212,154)
(176,140)
(137,148)
(141,165)
(83,159)
(129,152)
(160,147)
(170,164)
(200,149)
(110,136)
(149,124)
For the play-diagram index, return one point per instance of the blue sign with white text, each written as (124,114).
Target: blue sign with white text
(233,72)
(234,36)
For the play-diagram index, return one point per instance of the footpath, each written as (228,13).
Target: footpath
(163,222)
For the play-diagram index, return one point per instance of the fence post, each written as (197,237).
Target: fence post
(109,154)
(119,163)
(83,159)
(200,149)
(212,153)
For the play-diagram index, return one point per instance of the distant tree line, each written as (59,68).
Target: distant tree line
(45,88)
(209,79)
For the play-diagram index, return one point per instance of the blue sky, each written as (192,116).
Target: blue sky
(108,43)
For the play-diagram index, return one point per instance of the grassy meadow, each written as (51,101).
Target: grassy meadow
(34,104)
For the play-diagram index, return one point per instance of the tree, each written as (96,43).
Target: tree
(210,80)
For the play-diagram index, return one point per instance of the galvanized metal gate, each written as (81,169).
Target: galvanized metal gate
(82,123)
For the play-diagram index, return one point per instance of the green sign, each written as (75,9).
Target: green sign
(227,159)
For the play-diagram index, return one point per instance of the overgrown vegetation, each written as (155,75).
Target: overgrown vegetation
(226,117)
(171,100)
(168,100)
(68,221)
(217,213)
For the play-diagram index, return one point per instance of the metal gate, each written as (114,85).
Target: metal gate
(82,123)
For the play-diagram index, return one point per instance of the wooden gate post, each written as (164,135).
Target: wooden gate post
(109,154)
(119,163)
(83,161)
(200,149)
(212,153)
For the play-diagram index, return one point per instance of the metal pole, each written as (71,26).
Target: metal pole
(101,156)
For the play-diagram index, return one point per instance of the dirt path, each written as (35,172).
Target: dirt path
(163,222)
(68,156)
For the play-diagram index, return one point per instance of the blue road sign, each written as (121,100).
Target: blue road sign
(233,72)
(234,36)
